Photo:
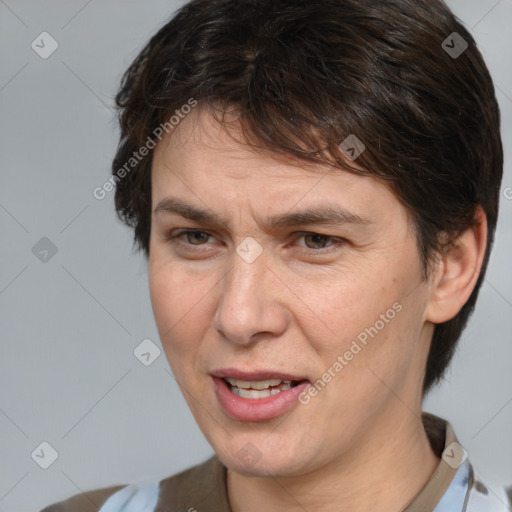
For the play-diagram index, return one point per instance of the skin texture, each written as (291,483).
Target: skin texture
(295,309)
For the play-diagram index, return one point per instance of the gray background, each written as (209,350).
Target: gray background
(69,325)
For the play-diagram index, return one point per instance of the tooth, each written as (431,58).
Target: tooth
(251,393)
(239,383)
(274,391)
(262,384)
(256,384)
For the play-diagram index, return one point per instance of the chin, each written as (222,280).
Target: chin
(261,456)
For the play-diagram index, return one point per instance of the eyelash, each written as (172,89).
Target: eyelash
(175,238)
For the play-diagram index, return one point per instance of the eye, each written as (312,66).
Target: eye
(309,243)
(317,241)
(191,236)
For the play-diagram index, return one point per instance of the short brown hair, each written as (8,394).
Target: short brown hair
(303,75)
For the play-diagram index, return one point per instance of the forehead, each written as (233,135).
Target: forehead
(200,134)
(202,160)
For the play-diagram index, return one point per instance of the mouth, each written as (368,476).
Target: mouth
(255,389)
(257,396)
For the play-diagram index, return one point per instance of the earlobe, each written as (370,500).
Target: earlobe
(457,271)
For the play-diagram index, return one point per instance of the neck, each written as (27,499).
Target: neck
(389,466)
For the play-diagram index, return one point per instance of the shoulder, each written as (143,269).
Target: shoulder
(203,484)
(140,497)
(90,501)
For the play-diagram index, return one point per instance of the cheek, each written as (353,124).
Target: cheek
(334,313)
(180,306)
(364,323)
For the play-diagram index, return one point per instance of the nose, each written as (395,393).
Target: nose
(250,305)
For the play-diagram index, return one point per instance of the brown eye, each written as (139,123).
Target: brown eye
(196,237)
(316,241)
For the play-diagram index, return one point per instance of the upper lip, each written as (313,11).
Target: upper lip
(234,373)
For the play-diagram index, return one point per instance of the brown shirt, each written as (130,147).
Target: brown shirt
(451,487)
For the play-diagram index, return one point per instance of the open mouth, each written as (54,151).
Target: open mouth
(259,388)
(257,395)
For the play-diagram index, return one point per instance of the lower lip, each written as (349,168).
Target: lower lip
(257,409)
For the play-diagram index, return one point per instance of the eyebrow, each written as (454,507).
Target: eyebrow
(325,214)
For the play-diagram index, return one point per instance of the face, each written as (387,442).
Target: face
(264,270)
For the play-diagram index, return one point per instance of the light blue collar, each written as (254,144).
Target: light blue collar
(134,498)
(454,499)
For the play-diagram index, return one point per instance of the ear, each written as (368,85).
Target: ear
(457,271)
